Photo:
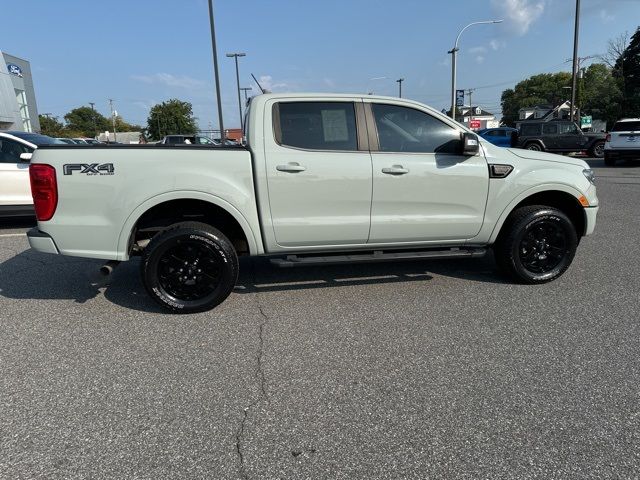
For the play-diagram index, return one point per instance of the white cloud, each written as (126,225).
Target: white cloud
(606,16)
(519,15)
(497,44)
(477,50)
(266,81)
(170,80)
(479,59)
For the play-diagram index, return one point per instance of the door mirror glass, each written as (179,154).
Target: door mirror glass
(470,144)
(26,157)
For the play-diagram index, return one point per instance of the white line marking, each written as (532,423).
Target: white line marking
(6,235)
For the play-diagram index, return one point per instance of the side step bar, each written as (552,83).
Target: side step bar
(378,256)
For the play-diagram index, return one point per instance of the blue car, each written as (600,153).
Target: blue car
(500,136)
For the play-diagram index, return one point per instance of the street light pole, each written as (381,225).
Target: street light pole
(95,127)
(235,56)
(574,74)
(454,53)
(113,120)
(215,69)
(400,80)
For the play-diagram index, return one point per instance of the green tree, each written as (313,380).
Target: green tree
(123,126)
(86,121)
(542,89)
(170,118)
(600,95)
(50,126)
(628,72)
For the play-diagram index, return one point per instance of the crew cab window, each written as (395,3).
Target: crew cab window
(402,129)
(530,130)
(550,129)
(10,151)
(317,125)
(568,128)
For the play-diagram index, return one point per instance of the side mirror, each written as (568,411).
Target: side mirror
(470,144)
(26,157)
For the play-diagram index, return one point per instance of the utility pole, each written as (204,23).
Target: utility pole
(215,69)
(470,92)
(245,90)
(235,57)
(400,80)
(93,117)
(113,120)
(574,74)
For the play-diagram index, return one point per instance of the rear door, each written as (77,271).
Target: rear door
(424,190)
(550,136)
(14,173)
(318,172)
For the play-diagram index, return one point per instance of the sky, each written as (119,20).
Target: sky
(142,52)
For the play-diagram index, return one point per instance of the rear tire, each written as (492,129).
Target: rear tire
(536,245)
(189,267)
(597,150)
(535,147)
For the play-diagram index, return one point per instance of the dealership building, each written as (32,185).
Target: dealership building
(18,109)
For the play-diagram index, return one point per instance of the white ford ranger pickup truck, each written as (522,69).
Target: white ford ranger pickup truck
(321,179)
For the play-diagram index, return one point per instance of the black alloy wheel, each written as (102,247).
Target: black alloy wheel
(536,244)
(190,267)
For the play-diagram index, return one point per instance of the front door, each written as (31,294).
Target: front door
(570,137)
(14,174)
(550,135)
(424,190)
(318,173)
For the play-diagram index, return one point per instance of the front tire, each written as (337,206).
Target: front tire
(189,267)
(536,245)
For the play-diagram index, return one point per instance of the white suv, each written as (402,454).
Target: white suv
(623,142)
(16,149)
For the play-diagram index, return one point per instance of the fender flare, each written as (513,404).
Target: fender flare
(535,140)
(132,219)
(547,187)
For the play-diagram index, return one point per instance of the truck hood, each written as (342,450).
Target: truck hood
(547,157)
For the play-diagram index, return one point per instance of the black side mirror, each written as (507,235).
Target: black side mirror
(514,139)
(470,144)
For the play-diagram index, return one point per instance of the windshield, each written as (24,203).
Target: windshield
(36,138)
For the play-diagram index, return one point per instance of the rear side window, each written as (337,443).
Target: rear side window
(496,133)
(10,151)
(626,127)
(530,130)
(550,129)
(403,129)
(316,125)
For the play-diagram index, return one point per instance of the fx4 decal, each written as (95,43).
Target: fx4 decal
(88,168)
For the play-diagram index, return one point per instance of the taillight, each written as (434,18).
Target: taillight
(44,189)
(608,139)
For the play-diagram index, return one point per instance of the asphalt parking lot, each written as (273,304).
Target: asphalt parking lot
(410,370)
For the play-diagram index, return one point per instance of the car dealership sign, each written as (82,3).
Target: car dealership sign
(14,69)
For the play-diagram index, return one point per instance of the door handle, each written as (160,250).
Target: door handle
(395,170)
(291,167)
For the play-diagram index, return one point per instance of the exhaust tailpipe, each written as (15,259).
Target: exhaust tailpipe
(107,268)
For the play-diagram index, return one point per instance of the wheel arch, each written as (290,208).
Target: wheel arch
(536,141)
(165,209)
(562,197)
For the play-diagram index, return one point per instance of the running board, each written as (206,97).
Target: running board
(378,256)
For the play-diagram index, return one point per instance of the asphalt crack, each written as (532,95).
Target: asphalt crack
(261,381)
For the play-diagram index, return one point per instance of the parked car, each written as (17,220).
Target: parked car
(68,141)
(86,141)
(560,136)
(16,149)
(500,136)
(186,140)
(322,179)
(623,143)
